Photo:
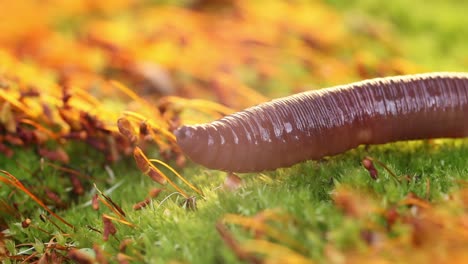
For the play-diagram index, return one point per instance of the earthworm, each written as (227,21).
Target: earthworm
(326,122)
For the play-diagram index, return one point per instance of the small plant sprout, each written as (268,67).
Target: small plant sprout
(368,164)
(95,202)
(126,128)
(106,200)
(178,175)
(108,226)
(147,167)
(107,220)
(158,132)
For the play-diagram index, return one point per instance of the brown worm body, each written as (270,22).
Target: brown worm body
(320,123)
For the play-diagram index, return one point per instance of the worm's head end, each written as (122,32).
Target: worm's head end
(199,145)
(184,134)
(192,140)
(185,137)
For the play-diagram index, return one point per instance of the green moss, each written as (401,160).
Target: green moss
(165,231)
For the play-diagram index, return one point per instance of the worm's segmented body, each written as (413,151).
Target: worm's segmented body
(320,123)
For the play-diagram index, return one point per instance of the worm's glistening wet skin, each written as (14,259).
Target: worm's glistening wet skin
(320,123)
